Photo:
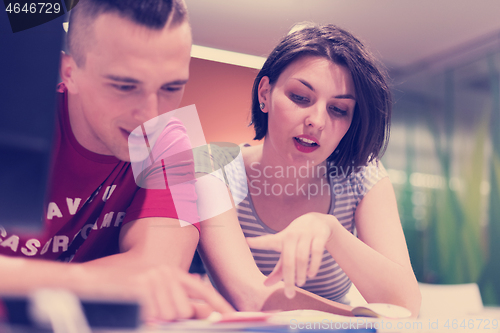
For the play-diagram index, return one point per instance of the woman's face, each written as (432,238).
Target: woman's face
(310,109)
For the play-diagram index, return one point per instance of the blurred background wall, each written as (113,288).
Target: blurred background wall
(444,162)
(221,93)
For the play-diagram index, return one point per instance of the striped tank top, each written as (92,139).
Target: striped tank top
(346,192)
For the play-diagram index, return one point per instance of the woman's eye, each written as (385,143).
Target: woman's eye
(124,87)
(338,111)
(298,98)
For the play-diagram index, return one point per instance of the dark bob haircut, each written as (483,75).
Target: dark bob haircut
(368,134)
(152,14)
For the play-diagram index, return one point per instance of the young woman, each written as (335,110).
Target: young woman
(314,193)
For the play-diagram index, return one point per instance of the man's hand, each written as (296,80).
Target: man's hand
(167,293)
(164,292)
(156,253)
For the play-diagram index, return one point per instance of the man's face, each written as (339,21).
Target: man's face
(131,74)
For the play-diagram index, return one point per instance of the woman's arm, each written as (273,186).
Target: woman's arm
(377,262)
(224,250)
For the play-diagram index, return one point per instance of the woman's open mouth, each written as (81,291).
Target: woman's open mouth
(305,145)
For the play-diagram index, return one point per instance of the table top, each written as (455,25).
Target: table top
(312,321)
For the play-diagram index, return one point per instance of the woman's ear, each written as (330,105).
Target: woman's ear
(264,93)
(67,72)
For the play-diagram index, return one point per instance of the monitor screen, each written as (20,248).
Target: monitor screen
(29,61)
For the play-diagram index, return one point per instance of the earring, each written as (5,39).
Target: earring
(262,106)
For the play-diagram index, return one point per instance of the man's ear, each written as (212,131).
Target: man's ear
(67,72)
(264,93)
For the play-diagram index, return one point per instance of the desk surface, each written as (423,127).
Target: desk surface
(312,321)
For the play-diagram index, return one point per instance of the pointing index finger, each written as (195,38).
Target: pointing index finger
(266,242)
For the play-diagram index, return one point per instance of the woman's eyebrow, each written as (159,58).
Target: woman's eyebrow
(308,85)
(346,96)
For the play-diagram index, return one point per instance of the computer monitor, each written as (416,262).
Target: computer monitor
(29,62)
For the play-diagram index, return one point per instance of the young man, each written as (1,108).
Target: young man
(128,62)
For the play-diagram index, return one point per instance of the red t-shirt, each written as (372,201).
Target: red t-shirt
(92,196)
